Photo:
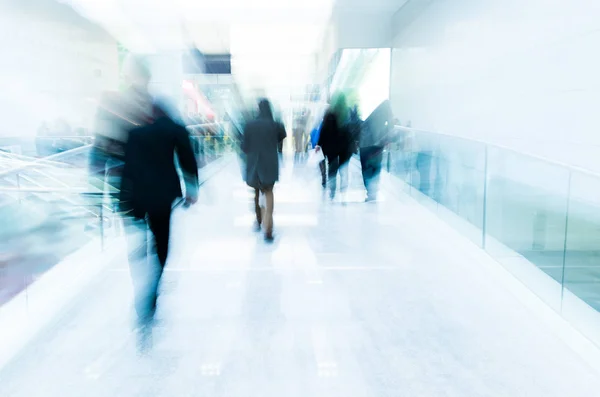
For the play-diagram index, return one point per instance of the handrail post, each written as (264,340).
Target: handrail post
(565,241)
(19,186)
(101,216)
(485,188)
(411,169)
(389,158)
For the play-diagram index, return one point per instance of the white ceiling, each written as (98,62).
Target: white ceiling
(272,42)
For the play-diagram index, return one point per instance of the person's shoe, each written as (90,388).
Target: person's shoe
(269,238)
(370,199)
(257,227)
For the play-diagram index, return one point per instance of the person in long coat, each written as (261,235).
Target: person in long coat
(262,137)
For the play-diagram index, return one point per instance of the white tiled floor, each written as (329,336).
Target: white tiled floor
(351,300)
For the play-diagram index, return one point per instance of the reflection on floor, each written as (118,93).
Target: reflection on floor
(351,300)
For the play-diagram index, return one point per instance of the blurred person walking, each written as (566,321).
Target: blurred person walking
(374,135)
(354,127)
(314,141)
(350,136)
(334,140)
(299,137)
(117,114)
(149,187)
(262,138)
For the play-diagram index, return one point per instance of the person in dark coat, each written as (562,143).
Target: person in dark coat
(262,138)
(334,140)
(149,187)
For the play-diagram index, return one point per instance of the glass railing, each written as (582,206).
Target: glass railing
(539,218)
(52,207)
(49,208)
(40,227)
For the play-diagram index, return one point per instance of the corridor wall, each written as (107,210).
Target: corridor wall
(518,73)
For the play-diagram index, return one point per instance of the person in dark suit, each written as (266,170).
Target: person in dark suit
(261,140)
(149,187)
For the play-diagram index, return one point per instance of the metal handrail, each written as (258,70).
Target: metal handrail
(63,137)
(82,191)
(36,190)
(27,159)
(49,137)
(546,160)
(45,159)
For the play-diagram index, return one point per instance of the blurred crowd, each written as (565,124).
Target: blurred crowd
(149,161)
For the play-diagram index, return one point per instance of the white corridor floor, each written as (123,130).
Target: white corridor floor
(351,300)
